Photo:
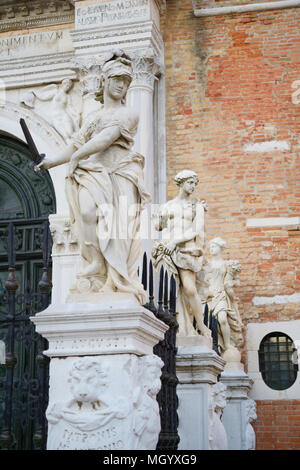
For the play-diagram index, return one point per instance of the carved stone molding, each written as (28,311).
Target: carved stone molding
(15,112)
(34,14)
(117,325)
(35,58)
(130,37)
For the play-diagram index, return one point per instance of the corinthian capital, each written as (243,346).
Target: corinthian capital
(146,69)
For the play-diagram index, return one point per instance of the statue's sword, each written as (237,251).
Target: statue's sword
(37,157)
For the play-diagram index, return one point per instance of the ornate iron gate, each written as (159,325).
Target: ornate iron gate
(24,376)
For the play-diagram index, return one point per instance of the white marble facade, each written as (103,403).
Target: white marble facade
(50,78)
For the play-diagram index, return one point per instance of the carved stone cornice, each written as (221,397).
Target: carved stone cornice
(34,14)
(130,37)
(43,69)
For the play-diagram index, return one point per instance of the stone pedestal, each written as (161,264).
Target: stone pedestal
(104,377)
(198,367)
(235,415)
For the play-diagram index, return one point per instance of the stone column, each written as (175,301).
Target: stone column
(234,416)
(198,368)
(104,377)
(100,27)
(141,96)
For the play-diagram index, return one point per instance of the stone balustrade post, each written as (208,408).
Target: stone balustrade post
(198,368)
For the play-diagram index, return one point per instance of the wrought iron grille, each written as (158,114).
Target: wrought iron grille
(166,350)
(24,376)
(276,364)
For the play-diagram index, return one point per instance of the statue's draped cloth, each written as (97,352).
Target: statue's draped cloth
(115,181)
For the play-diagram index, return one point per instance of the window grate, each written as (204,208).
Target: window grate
(277,361)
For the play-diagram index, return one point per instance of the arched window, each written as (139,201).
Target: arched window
(277,362)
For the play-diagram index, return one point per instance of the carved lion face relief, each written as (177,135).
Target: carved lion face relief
(87,380)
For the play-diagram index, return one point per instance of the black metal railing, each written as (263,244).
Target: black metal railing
(166,350)
(24,376)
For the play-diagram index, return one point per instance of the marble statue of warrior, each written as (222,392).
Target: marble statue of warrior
(103,169)
(180,250)
(216,283)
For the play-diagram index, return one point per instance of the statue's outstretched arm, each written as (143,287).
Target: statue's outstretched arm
(59,159)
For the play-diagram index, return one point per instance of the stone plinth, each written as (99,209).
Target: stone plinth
(198,367)
(104,377)
(234,416)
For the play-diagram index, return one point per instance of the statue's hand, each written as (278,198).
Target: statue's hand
(170,247)
(72,166)
(44,164)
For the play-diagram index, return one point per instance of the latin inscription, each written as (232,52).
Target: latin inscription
(118,11)
(93,344)
(106,439)
(41,43)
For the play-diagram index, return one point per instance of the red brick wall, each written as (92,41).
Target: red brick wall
(229,83)
(277,425)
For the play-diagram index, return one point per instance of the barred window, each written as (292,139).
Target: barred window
(277,362)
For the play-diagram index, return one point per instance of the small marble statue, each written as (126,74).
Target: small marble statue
(250,416)
(105,187)
(64,119)
(216,283)
(217,433)
(180,250)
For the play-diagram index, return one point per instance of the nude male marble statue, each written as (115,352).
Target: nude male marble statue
(181,221)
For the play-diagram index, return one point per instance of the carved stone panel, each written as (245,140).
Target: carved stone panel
(104,403)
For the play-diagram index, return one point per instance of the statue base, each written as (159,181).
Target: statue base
(234,415)
(197,368)
(104,377)
(191,341)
